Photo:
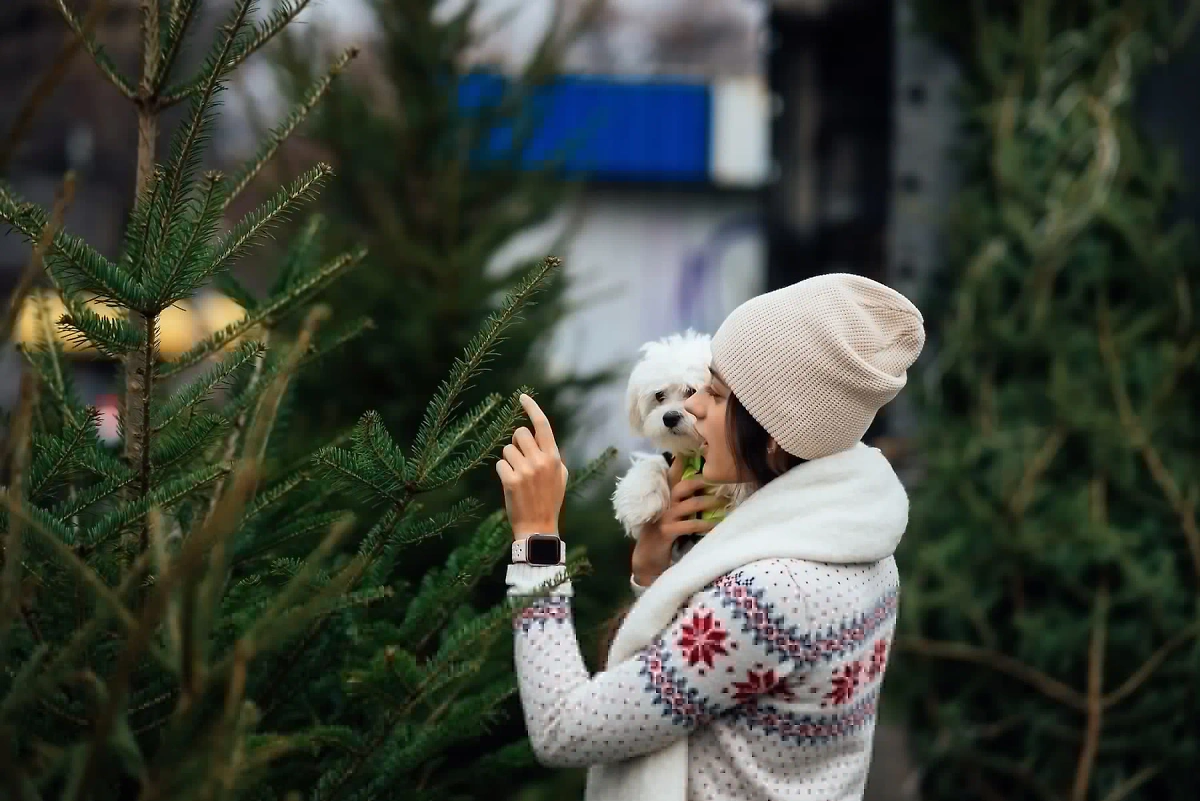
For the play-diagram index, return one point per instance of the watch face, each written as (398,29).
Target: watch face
(542,550)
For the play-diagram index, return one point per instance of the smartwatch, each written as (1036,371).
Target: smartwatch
(543,550)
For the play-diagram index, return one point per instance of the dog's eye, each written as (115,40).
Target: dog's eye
(689,392)
(659,397)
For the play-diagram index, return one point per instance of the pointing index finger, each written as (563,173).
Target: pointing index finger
(542,432)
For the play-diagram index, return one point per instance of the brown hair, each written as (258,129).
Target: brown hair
(750,443)
(755,465)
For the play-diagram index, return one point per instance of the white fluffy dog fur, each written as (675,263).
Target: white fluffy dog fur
(670,371)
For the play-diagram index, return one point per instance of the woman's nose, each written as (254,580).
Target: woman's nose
(693,405)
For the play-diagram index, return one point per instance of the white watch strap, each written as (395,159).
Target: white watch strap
(520,555)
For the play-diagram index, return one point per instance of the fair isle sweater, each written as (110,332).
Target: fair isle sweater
(770,671)
(773,672)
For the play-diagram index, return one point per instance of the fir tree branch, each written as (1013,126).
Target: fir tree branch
(278,135)
(270,541)
(163,497)
(263,33)
(963,652)
(265,500)
(342,466)
(467,424)
(185,148)
(179,18)
(266,312)
(55,454)
(93,495)
(37,520)
(259,221)
(1095,706)
(20,437)
(53,378)
(70,260)
(239,424)
(199,390)
(140,433)
(83,30)
(373,441)
(596,468)
(1143,673)
(392,719)
(1035,468)
(48,677)
(484,444)
(266,628)
(189,441)
(140,639)
(1130,785)
(178,575)
(233,289)
(1139,438)
(151,46)
(477,353)
(168,287)
(36,265)
(303,254)
(268,408)
(379,534)
(315,352)
(101,464)
(112,336)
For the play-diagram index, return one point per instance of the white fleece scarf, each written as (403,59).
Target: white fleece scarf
(848,508)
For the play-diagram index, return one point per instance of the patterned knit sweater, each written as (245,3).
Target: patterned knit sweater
(772,671)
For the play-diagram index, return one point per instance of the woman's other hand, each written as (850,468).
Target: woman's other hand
(652,554)
(533,475)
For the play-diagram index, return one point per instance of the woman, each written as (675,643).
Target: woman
(751,668)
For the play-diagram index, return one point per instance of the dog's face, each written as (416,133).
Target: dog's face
(670,371)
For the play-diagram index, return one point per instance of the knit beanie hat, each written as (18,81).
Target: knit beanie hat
(814,362)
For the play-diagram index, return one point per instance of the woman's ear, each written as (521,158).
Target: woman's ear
(777,457)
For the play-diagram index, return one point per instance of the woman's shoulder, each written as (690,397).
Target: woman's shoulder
(766,587)
(798,588)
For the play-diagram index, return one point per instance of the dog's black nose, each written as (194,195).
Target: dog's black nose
(671,419)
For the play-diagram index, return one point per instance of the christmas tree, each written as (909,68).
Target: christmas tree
(436,186)
(1050,628)
(433,174)
(193,614)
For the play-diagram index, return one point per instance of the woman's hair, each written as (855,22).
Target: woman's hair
(748,440)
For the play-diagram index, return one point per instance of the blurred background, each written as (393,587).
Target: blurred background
(685,155)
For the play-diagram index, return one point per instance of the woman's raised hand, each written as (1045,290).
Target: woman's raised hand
(533,476)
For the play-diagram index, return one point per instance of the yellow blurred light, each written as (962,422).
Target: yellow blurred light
(180,327)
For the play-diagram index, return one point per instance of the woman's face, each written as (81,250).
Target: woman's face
(709,406)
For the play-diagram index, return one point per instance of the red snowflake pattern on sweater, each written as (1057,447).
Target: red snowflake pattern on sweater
(702,638)
(878,660)
(845,682)
(762,683)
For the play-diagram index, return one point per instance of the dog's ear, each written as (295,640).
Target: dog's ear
(633,403)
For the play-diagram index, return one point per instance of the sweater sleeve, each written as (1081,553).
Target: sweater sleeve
(713,657)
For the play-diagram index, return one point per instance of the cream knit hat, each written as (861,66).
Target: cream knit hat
(814,362)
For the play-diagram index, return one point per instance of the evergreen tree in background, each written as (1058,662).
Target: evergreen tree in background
(413,185)
(1051,617)
(191,615)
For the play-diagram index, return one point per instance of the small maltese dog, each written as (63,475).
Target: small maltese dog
(670,371)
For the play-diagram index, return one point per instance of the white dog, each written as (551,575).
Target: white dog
(670,371)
